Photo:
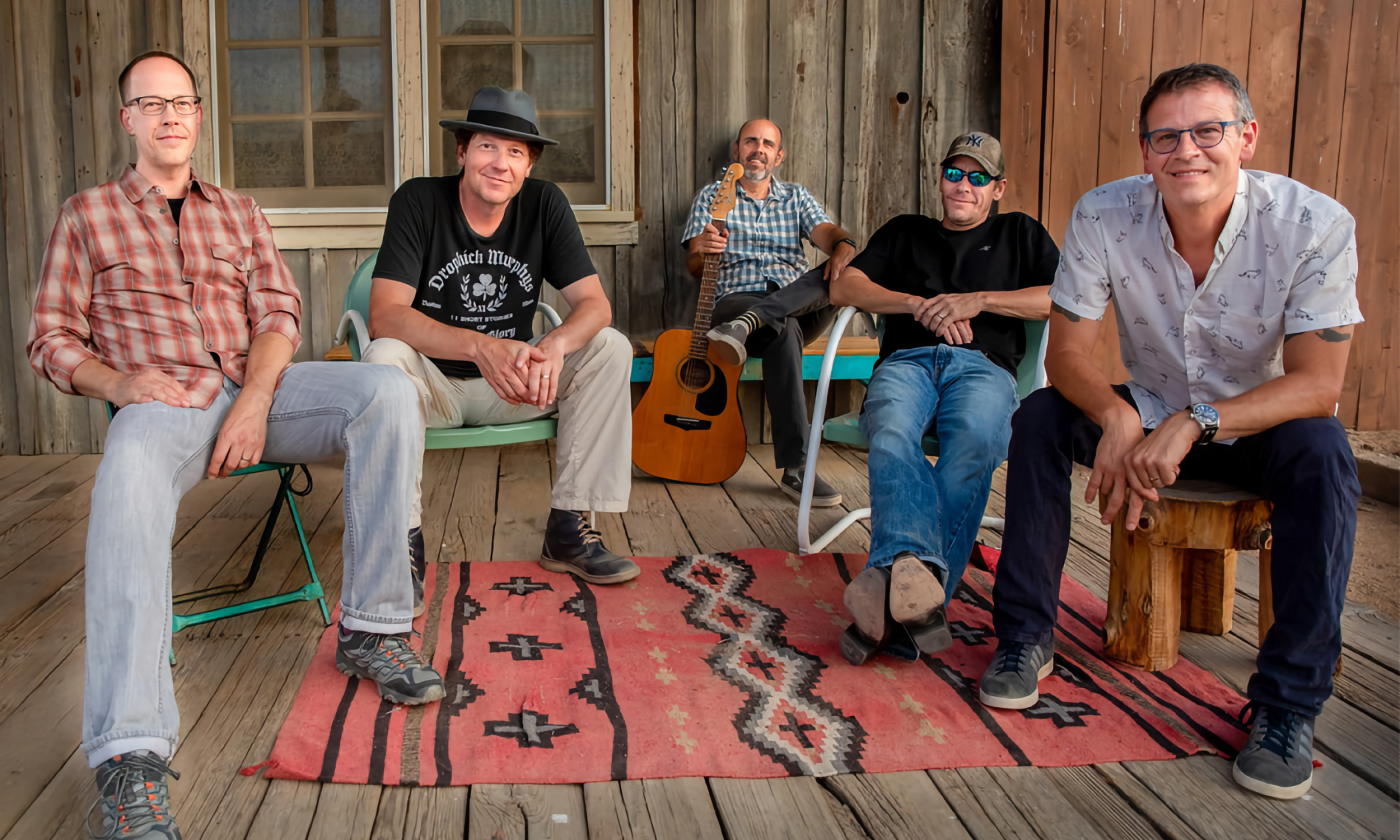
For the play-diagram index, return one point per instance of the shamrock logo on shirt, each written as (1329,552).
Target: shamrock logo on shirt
(484,287)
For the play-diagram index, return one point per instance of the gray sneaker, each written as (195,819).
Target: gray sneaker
(135,799)
(1010,681)
(1277,760)
(389,661)
(728,339)
(823,494)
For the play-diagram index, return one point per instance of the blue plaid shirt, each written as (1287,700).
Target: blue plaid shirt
(764,244)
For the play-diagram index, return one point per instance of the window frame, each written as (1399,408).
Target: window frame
(359,199)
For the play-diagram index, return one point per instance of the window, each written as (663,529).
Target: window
(552,49)
(304,101)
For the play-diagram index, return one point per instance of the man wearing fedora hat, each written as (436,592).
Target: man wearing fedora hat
(456,285)
(953,294)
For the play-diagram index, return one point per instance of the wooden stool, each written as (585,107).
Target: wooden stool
(1177,570)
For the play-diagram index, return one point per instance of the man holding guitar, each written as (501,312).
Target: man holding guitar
(954,294)
(768,303)
(455,289)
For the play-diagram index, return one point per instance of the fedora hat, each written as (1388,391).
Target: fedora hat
(509,113)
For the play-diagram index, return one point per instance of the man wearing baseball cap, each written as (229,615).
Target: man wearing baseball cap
(954,293)
(456,284)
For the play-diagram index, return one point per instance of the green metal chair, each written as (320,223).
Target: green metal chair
(354,329)
(310,592)
(1030,375)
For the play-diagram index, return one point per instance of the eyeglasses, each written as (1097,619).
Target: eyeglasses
(155,105)
(976,179)
(1205,135)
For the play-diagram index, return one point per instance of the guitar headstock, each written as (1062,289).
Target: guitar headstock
(725,198)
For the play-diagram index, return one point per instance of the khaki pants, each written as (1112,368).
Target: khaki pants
(594,461)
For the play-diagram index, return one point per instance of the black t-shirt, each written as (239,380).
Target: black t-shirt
(916,255)
(490,284)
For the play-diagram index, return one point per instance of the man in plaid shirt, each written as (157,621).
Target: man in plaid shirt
(165,296)
(767,302)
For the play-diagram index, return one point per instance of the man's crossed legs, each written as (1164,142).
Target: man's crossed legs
(924,517)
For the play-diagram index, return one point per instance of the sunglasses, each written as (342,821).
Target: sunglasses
(976,179)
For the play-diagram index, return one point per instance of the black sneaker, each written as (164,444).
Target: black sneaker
(1277,760)
(418,562)
(388,660)
(1010,682)
(135,799)
(573,547)
(823,494)
(728,340)
(916,601)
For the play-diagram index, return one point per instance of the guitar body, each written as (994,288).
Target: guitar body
(683,432)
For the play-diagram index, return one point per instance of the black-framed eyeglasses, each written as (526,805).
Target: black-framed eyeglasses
(976,179)
(1164,141)
(155,105)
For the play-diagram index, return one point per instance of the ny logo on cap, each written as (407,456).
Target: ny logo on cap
(974,140)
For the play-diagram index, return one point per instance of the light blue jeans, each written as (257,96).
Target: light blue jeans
(156,453)
(934,510)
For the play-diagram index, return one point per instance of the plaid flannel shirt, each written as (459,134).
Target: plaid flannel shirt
(122,284)
(764,244)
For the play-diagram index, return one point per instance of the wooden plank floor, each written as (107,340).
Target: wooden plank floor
(236,679)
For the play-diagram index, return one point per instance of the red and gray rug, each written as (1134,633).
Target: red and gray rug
(725,665)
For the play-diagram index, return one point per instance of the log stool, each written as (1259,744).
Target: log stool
(1177,570)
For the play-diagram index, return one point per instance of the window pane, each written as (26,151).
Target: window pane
(573,159)
(465,69)
(347,79)
(264,81)
(559,76)
(343,18)
(449,154)
(556,17)
(348,154)
(477,17)
(269,155)
(258,20)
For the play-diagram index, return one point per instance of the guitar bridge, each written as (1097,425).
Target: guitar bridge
(689,424)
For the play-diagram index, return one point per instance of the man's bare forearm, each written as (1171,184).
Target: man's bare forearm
(1030,304)
(1071,370)
(268,356)
(830,237)
(855,288)
(584,322)
(1314,365)
(93,378)
(426,335)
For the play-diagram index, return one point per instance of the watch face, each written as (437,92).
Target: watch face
(1206,414)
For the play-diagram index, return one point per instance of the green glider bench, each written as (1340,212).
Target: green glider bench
(310,592)
(354,330)
(1030,375)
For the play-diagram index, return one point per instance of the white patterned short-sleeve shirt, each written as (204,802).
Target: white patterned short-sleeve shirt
(1285,263)
(765,240)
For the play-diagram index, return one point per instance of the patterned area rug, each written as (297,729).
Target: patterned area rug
(725,665)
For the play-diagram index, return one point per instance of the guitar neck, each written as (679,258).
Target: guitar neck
(706,304)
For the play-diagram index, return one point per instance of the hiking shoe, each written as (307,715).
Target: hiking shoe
(134,797)
(823,494)
(573,547)
(388,660)
(1277,760)
(418,562)
(1010,681)
(728,340)
(916,601)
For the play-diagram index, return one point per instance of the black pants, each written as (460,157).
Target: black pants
(1305,467)
(792,316)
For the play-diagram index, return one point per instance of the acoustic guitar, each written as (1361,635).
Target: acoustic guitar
(687,426)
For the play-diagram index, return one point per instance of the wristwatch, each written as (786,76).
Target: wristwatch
(1209,420)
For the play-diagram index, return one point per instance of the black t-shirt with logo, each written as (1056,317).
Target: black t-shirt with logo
(916,255)
(490,284)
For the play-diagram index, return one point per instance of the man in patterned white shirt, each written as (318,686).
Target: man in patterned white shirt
(1236,296)
(767,303)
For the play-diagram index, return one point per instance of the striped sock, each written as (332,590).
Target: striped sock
(750,321)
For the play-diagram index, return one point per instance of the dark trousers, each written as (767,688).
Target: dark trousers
(792,316)
(1305,467)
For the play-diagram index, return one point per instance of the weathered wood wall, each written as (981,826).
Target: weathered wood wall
(1322,77)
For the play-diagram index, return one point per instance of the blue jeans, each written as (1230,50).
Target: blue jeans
(1305,467)
(934,510)
(156,453)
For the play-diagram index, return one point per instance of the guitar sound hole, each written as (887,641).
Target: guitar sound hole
(695,375)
